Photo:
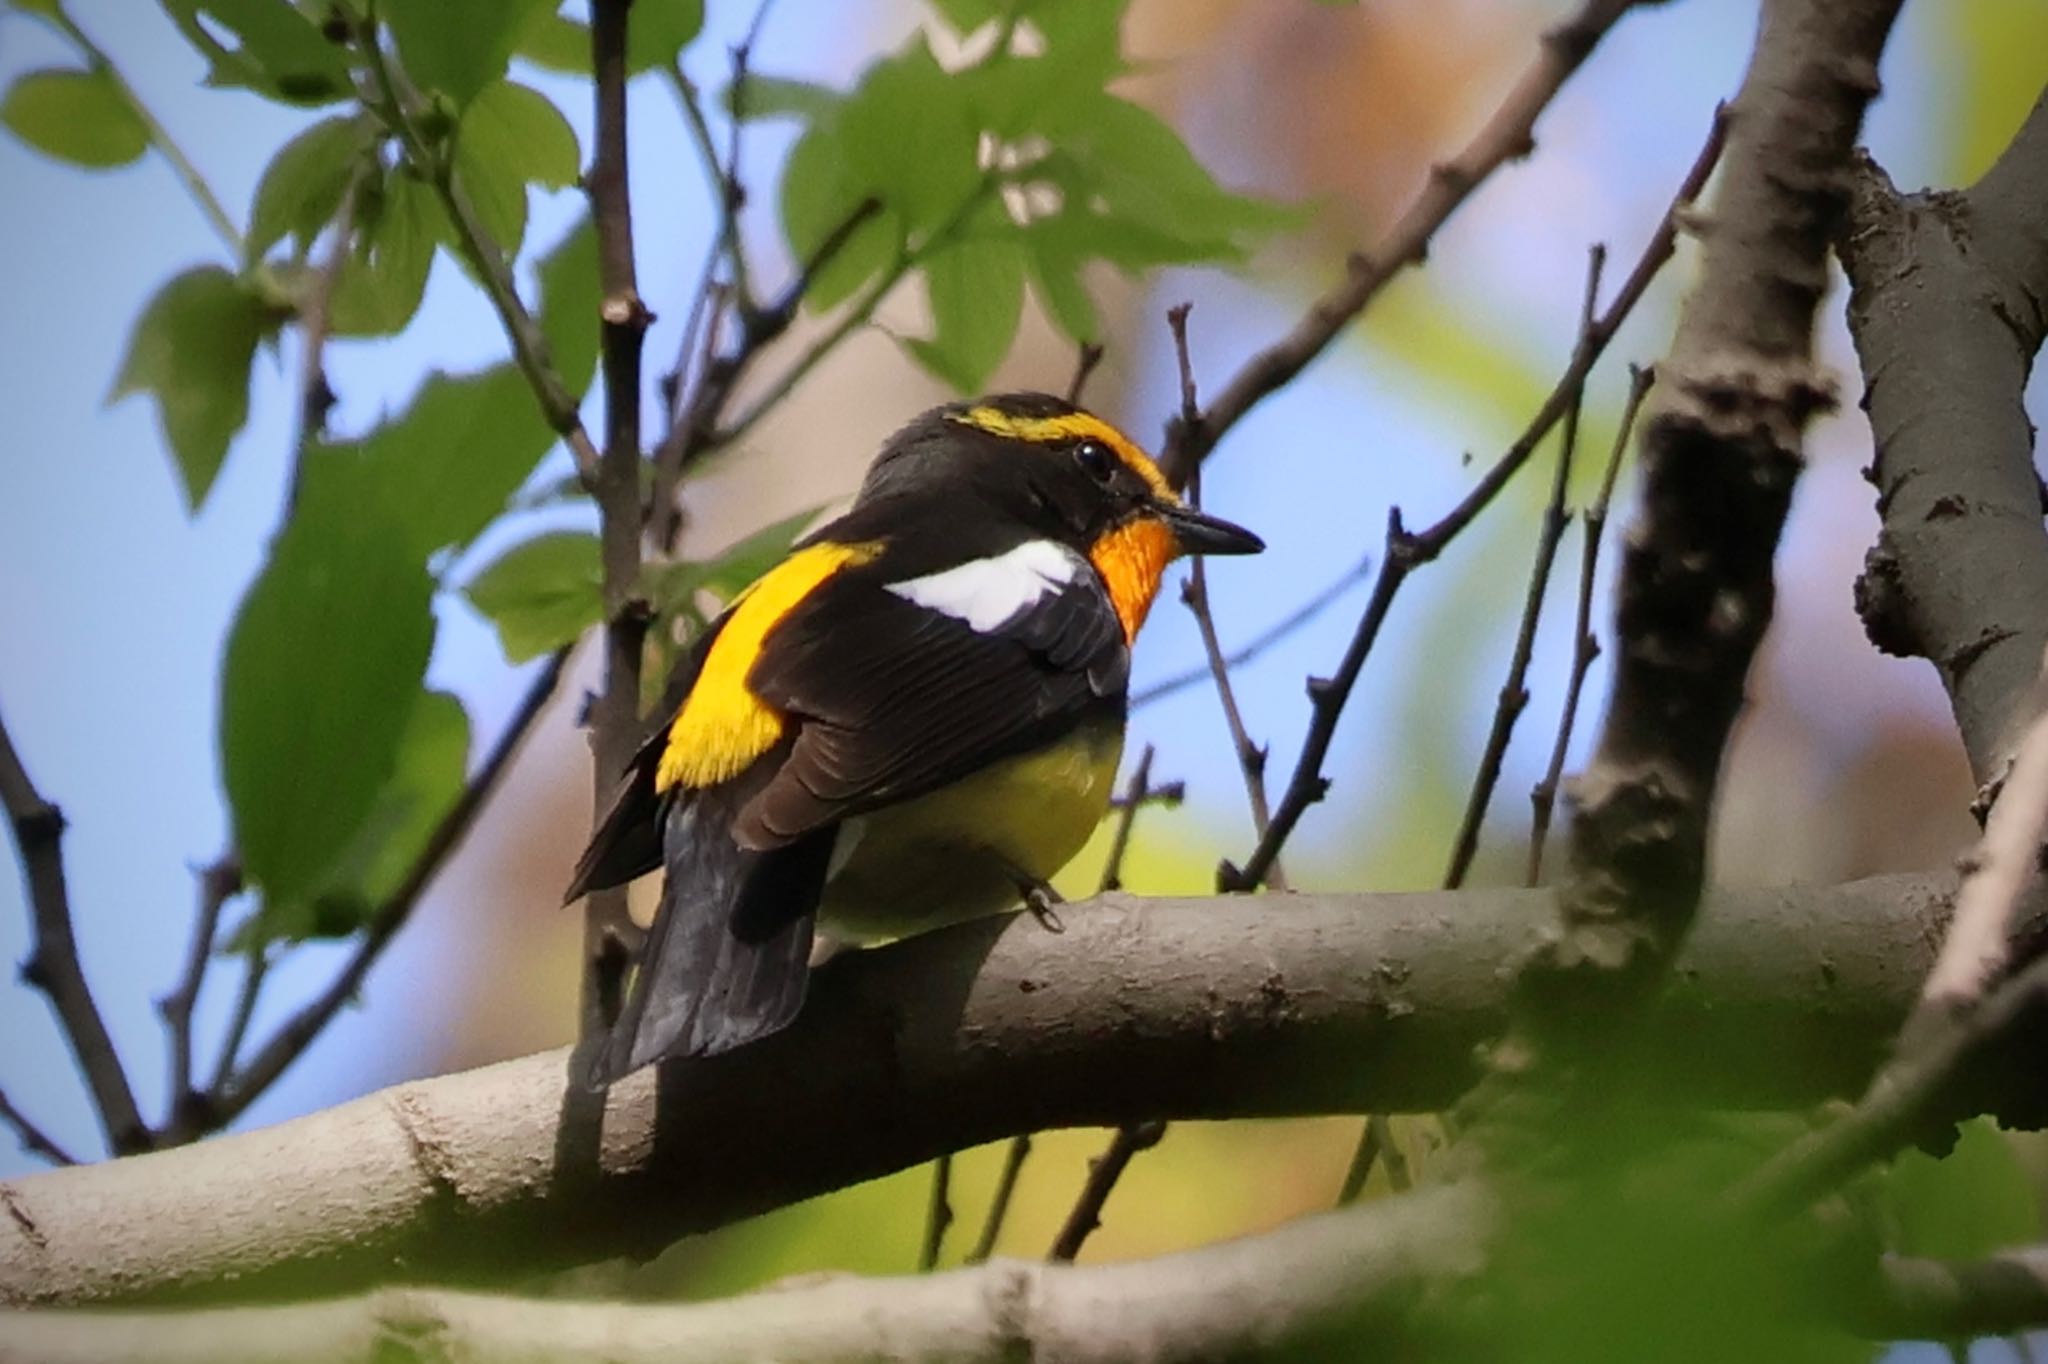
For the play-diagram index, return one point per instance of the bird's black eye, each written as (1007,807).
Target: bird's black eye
(1094,456)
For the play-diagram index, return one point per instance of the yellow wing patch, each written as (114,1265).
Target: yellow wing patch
(1072,426)
(722,725)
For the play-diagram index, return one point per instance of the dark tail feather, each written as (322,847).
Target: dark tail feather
(729,954)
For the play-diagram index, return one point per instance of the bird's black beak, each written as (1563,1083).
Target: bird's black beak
(1200,533)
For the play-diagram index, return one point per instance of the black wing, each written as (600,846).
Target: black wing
(891,699)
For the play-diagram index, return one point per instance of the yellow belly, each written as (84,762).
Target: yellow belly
(955,853)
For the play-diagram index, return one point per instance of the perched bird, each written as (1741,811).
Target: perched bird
(914,718)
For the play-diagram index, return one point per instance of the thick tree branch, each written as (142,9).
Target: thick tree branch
(615,728)
(1201,1008)
(1948,304)
(1508,135)
(1720,453)
(1372,1273)
(52,964)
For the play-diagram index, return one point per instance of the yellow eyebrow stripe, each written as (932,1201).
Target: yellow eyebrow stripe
(1072,426)
(723,726)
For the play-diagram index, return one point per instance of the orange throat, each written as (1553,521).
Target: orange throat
(1132,559)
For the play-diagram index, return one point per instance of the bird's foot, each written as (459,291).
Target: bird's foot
(1040,898)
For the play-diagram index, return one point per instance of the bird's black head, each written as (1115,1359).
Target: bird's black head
(1060,472)
(1058,468)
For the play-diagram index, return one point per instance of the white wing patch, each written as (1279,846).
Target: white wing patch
(989,593)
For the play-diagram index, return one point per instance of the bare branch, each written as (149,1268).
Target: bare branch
(1586,646)
(1720,453)
(1405,551)
(1365,1270)
(218,884)
(1508,135)
(52,964)
(2005,864)
(1014,1156)
(1945,308)
(1103,1173)
(1194,594)
(1514,691)
(938,1214)
(1306,613)
(1199,1008)
(32,1138)
(615,728)
(1089,356)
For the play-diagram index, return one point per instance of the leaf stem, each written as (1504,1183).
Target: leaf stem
(159,136)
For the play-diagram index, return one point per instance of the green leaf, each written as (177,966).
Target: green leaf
(909,135)
(512,135)
(817,196)
(77,116)
(433,755)
(569,305)
(1027,94)
(317,690)
(555,42)
(459,46)
(1056,280)
(967,15)
(191,349)
(657,31)
(399,223)
(47,9)
(976,289)
(302,186)
(1146,176)
(673,587)
(448,464)
(542,594)
(783,97)
(1974,1200)
(269,47)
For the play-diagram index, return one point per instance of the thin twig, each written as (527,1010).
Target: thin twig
(218,884)
(53,965)
(1363,1157)
(938,1214)
(232,1090)
(615,719)
(1103,1174)
(1514,690)
(33,1139)
(999,1206)
(1406,550)
(1325,597)
(2006,862)
(315,314)
(696,432)
(199,1114)
(558,405)
(181,165)
(1089,356)
(1507,136)
(1138,793)
(1904,1096)
(1586,645)
(856,316)
(1194,594)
